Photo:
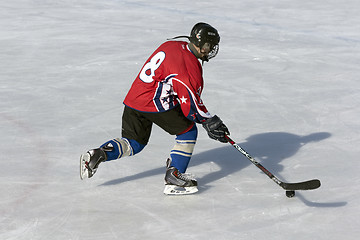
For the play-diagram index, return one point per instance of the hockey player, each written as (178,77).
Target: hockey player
(166,92)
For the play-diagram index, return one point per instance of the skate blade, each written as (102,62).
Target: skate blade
(84,172)
(176,190)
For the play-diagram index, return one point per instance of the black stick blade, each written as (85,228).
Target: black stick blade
(307,185)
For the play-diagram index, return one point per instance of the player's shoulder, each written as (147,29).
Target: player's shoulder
(180,57)
(174,46)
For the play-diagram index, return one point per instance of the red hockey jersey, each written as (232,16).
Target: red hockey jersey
(171,76)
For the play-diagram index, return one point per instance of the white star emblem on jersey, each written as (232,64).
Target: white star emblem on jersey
(183,99)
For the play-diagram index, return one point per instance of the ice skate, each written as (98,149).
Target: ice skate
(90,161)
(177,183)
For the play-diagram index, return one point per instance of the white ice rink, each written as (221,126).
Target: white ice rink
(286,82)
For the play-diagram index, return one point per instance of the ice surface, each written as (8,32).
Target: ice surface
(285,82)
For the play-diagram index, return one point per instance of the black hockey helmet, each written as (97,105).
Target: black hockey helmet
(203,35)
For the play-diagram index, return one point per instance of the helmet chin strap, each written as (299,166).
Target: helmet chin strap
(204,59)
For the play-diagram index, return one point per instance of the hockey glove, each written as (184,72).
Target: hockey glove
(216,129)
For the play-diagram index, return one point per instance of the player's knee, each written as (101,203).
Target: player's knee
(185,143)
(136,146)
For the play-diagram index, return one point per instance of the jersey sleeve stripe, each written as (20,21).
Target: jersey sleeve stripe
(202,113)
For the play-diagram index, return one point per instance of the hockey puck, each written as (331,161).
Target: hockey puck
(290,194)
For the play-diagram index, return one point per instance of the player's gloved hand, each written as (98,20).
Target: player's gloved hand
(216,129)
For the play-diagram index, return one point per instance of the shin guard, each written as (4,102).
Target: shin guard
(117,148)
(183,149)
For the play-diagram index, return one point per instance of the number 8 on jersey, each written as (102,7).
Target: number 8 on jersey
(148,71)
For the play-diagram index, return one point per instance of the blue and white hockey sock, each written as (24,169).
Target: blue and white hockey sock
(121,147)
(183,149)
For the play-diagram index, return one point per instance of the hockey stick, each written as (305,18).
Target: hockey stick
(289,187)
